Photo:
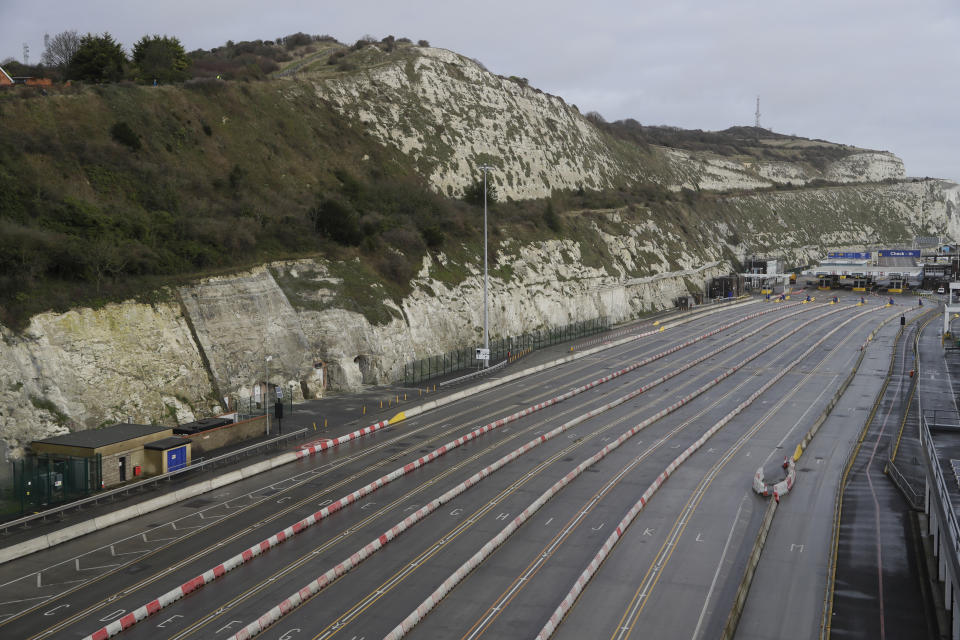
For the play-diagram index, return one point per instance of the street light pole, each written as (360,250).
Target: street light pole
(266,392)
(486,331)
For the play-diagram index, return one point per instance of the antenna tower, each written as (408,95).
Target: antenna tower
(756,119)
(26,54)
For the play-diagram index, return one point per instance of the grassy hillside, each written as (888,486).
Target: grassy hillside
(107,192)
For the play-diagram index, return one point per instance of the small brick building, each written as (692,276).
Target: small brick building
(5,79)
(124,450)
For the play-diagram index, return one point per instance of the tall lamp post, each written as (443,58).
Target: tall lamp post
(266,392)
(486,332)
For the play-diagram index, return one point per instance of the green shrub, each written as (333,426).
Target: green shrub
(337,220)
(551,218)
(434,237)
(125,135)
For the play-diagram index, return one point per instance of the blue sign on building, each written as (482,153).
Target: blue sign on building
(899,253)
(850,255)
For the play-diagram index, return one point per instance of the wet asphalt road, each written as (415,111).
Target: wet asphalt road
(672,574)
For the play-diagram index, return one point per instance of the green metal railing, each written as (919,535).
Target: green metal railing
(47,479)
(462,359)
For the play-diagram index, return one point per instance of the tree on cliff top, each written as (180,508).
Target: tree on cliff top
(60,49)
(160,58)
(98,59)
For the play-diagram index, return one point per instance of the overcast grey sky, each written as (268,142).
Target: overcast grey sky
(881,74)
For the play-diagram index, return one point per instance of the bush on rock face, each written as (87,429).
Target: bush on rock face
(125,135)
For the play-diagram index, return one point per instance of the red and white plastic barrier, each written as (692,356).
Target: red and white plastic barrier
(322,581)
(615,536)
(410,621)
(778,489)
(235,561)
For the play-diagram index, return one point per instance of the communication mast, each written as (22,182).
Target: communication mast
(26,54)
(756,120)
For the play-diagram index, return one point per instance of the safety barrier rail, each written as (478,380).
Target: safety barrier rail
(941,507)
(143,484)
(911,495)
(475,374)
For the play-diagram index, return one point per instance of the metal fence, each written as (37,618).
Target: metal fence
(941,509)
(463,359)
(46,480)
(247,408)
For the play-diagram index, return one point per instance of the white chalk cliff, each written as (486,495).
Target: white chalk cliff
(178,359)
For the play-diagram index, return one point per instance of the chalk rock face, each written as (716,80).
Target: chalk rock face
(549,287)
(451,116)
(173,362)
(240,321)
(90,367)
(784,172)
(167,362)
(714,173)
(872,166)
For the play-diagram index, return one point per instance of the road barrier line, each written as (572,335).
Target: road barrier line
(256,550)
(411,620)
(355,559)
(46,541)
(613,538)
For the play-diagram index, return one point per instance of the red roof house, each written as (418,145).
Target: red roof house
(5,79)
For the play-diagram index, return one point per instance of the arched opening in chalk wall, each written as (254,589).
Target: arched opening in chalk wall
(363,365)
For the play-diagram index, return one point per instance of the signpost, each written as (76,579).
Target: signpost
(483,354)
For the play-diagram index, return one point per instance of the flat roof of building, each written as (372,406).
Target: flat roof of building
(95,438)
(167,443)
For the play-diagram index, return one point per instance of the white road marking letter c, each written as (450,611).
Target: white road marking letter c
(456,512)
(289,634)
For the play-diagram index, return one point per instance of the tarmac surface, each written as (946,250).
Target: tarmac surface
(672,573)
(882,589)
